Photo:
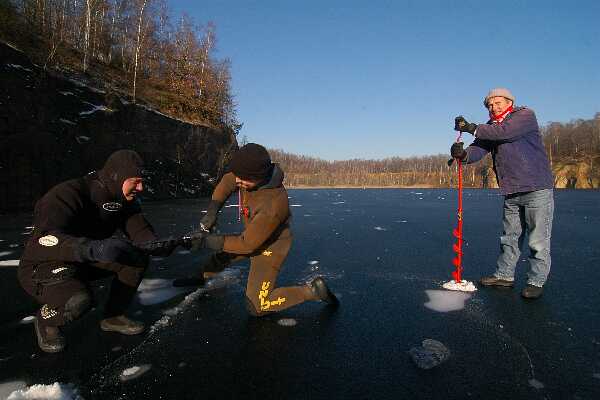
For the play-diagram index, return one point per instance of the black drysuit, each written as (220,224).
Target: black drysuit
(53,269)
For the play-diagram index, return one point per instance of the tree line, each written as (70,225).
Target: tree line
(137,45)
(573,142)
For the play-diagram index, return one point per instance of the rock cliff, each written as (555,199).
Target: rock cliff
(55,126)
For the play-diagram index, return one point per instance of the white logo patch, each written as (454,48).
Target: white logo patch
(112,206)
(57,270)
(48,241)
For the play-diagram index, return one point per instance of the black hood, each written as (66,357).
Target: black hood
(121,165)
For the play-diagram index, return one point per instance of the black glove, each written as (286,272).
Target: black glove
(204,240)
(112,250)
(160,248)
(461,124)
(210,218)
(457,151)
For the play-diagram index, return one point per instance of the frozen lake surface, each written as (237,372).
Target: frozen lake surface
(386,254)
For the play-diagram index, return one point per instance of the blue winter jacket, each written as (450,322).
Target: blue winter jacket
(520,159)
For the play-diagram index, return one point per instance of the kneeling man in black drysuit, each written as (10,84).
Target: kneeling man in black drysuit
(72,244)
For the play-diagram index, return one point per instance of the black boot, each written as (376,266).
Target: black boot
(493,281)
(532,292)
(49,338)
(122,324)
(322,292)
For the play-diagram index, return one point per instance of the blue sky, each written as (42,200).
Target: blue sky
(374,79)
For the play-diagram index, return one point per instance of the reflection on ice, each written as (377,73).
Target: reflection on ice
(445,301)
(154,291)
(5,253)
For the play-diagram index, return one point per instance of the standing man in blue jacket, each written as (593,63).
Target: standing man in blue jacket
(521,164)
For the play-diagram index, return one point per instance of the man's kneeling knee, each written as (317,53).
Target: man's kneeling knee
(77,305)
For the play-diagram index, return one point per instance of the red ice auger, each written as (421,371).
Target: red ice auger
(458,231)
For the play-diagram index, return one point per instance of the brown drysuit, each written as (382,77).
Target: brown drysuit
(266,240)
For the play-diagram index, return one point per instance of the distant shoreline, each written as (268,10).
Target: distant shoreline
(365,187)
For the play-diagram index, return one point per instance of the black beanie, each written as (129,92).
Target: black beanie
(121,165)
(251,162)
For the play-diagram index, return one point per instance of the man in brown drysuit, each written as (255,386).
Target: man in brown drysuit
(266,239)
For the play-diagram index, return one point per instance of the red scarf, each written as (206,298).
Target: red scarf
(500,117)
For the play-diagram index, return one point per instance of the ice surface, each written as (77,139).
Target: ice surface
(5,253)
(287,322)
(66,93)
(463,286)
(134,372)
(154,291)
(66,121)
(445,301)
(536,384)
(597,376)
(56,391)
(9,263)
(430,354)
(338,202)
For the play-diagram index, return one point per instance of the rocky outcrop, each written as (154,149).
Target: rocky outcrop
(54,127)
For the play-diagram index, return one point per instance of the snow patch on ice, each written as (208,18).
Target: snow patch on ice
(534,383)
(9,263)
(134,372)
(230,205)
(223,279)
(154,291)
(462,286)
(287,322)
(6,388)
(313,262)
(445,301)
(5,253)
(295,205)
(56,391)
(66,93)
(379,228)
(338,202)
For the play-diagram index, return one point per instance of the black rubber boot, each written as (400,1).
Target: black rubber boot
(532,292)
(493,281)
(49,338)
(322,292)
(122,324)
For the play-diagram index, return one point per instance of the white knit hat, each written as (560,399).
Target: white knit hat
(498,92)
